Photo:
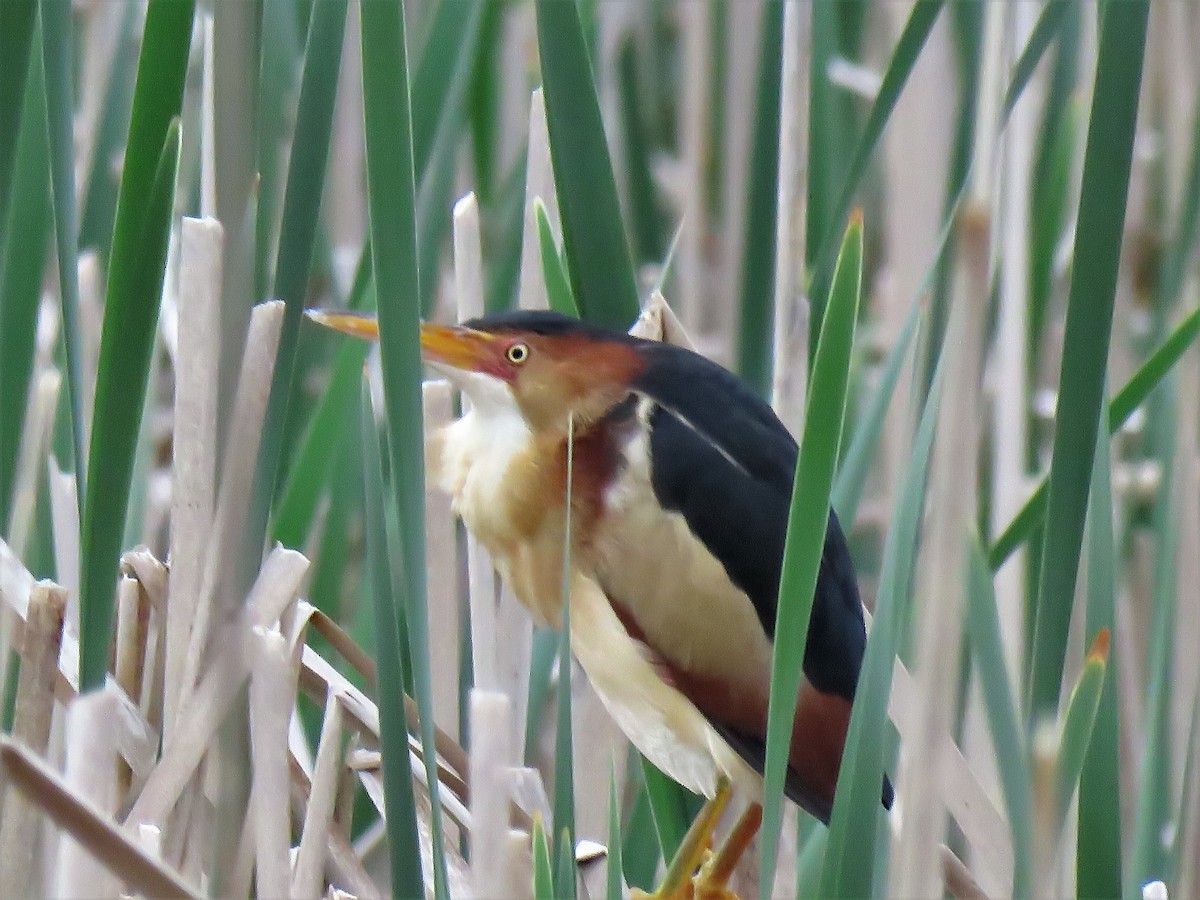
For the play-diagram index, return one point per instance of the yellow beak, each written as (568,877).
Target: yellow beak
(356,324)
(456,346)
(450,345)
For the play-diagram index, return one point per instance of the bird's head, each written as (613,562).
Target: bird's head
(550,367)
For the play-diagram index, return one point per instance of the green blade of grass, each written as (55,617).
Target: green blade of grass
(1150,858)
(808,864)
(758,258)
(278,65)
(807,521)
(615,882)
(987,655)
(1122,406)
(404,846)
(1180,251)
(856,463)
(483,102)
(856,805)
(391,202)
(439,120)
(443,74)
(564,868)
(601,268)
(57,46)
(18,20)
(126,347)
(132,296)
(900,66)
(293,261)
(1078,724)
(24,249)
(100,196)
(640,850)
(1104,193)
(672,806)
(543,872)
(1050,183)
(1098,855)
(558,284)
(643,202)
(541,667)
(309,476)
(1152,372)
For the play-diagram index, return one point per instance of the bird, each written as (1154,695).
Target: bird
(680,480)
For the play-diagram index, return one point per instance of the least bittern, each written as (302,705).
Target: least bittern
(681,482)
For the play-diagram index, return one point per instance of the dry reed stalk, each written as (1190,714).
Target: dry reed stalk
(967,801)
(130,653)
(319,678)
(32,716)
(91,775)
(194,441)
(658,322)
(92,284)
(318,815)
(1187,613)
(491,760)
(208,119)
(1189,820)
(938,608)
(64,525)
(598,746)
(239,884)
(16,586)
(340,859)
(539,182)
(1010,480)
(695,37)
(100,32)
(272,695)
(614,23)
(35,441)
(1184,94)
(233,498)
(132,622)
(790,340)
(345,200)
(151,577)
(1004,158)
(742,43)
(224,676)
(441,562)
(481,574)
(88,825)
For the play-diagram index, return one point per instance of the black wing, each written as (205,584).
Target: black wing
(724,461)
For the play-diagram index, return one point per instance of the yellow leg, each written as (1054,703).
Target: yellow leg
(712,880)
(677,883)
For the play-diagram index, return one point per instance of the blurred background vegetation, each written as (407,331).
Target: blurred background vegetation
(1018,471)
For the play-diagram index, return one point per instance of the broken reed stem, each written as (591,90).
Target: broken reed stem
(322,796)
(91,775)
(32,717)
(94,830)
(491,760)
(271,699)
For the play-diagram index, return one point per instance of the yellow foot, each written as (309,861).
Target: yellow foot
(678,884)
(712,881)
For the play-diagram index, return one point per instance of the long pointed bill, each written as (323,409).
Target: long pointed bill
(457,347)
(356,324)
(449,345)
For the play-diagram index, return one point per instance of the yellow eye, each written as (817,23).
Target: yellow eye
(517,353)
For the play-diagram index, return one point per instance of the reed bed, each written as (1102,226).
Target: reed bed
(246,650)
